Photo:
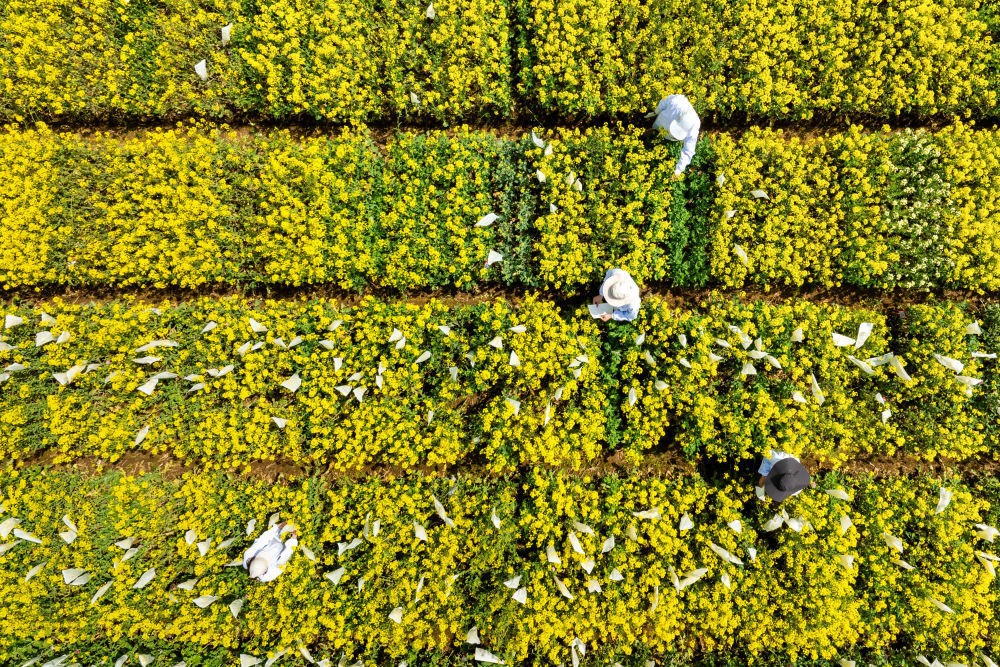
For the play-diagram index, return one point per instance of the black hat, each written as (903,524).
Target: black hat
(787,476)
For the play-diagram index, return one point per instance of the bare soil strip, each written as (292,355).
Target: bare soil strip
(876,299)
(514,127)
(660,464)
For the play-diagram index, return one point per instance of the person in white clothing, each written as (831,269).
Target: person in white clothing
(265,558)
(676,117)
(781,476)
(621,293)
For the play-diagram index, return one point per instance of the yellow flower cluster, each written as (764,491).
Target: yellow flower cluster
(879,209)
(732,382)
(780,59)
(605,202)
(343,61)
(101,58)
(194,206)
(381,383)
(537,565)
(901,584)
(972,166)
(944,405)
(203,204)
(794,235)
(434,191)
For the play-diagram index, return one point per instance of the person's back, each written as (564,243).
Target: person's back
(677,118)
(265,558)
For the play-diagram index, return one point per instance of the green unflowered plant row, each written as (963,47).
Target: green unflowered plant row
(532,570)
(227,382)
(361,60)
(207,205)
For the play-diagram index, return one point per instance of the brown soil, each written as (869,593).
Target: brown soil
(513,127)
(884,300)
(667,464)
(901,465)
(167,465)
(131,463)
(659,464)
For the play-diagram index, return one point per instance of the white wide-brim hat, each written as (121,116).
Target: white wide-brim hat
(258,566)
(619,289)
(680,128)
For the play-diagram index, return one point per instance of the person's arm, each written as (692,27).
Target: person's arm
(760,482)
(261,542)
(286,551)
(687,153)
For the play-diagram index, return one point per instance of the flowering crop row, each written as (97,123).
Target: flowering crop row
(533,569)
(883,209)
(737,379)
(357,60)
(194,206)
(344,60)
(226,382)
(780,59)
(186,208)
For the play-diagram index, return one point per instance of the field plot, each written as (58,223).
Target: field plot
(319,272)
(349,61)
(534,567)
(210,206)
(229,382)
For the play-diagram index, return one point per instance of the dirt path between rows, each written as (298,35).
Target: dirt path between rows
(515,127)
(660,464)
(876,299)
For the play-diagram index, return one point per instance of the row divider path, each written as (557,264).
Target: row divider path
(663,464)
(844,296)
(516,128)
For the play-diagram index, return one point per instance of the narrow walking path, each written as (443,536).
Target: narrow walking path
(667,464)
(506,127)
(678,297)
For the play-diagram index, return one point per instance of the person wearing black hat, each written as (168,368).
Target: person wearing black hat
(782,476)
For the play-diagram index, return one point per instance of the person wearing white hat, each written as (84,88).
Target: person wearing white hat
(621,293)
(266,557)
(677,118)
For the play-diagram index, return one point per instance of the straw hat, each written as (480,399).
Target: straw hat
(619,289)
(258,566)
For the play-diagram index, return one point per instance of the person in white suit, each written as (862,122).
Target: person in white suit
(676,117)
(620,292)
(266,557)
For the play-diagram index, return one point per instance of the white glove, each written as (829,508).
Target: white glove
(759,490)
